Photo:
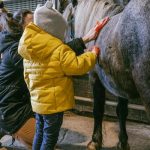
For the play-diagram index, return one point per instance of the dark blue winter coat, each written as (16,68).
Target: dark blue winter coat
(15,107)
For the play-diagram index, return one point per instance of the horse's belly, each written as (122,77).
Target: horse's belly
(120,84)
(115,75)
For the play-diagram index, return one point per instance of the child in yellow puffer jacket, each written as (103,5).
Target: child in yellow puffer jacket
(48,68)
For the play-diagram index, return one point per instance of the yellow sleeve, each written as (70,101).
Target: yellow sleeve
(26,76)
(76,65)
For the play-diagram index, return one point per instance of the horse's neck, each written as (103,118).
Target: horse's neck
(88,12)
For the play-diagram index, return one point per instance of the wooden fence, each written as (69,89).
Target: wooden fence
(84,101)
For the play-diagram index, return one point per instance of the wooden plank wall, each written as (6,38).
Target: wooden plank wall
(84,101)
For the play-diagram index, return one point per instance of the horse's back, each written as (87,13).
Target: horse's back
(125,43)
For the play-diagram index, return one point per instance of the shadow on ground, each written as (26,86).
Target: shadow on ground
(78,147)
(68,136)
(72,140)
(12,148)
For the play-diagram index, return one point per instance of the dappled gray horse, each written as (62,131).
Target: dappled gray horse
(123,67)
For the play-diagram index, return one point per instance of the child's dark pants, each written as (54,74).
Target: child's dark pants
(47,131)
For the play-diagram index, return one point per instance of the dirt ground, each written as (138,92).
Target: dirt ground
(139,134)
(77,130)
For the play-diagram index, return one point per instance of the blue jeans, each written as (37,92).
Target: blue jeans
(47,131)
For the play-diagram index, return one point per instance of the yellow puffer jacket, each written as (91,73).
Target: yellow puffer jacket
(48,67)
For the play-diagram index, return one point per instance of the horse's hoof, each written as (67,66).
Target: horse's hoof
(123,147)
(93,146)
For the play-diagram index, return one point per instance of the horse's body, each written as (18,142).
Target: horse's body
(124,64)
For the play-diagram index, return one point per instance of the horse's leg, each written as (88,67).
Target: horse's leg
(122,113)
(98,112)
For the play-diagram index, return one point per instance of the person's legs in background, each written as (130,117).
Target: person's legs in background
(26,133)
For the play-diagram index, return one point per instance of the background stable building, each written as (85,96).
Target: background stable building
(14,5)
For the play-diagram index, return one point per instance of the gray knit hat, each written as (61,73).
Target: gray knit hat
(50,20)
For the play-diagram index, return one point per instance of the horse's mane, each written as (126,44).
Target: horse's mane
(88,12)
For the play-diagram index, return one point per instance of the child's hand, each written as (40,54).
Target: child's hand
(95,50)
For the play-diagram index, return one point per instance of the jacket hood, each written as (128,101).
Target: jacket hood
(7,39)
(36,44)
